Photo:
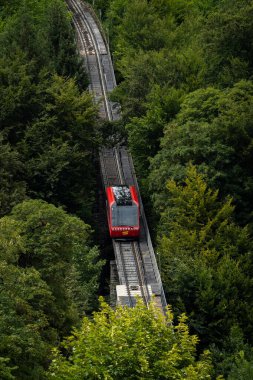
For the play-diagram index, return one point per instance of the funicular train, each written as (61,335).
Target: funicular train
(123,211)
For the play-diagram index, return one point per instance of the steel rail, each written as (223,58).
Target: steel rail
(78,7)
(148,238)
(100,27)
(129,172)
(109,164)
(134,245)
(80,29)
(83,43)
(141,273)
(135,249)
(119,247)
(119,166)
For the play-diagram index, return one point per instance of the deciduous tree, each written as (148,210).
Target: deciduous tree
(130,343)
(214,130)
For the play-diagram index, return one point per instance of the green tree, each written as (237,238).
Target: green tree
(48,279)
(214,130)
(144,133)
(25,330)
(57,245)
(58,147)
(130,343)
(5,371)
(242,369)
(234,357)
(205,260)
(12,188)
(25,301)
(154,43)
(226,37)
(62,47)
(21,33)
(19,100)
(32,48)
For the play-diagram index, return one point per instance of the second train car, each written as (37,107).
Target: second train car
(123,211)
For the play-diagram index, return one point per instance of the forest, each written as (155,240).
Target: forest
(185,84)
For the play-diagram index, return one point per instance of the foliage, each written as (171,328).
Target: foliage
(12,188)
(55,242)
(18,93)
(155,41)
(206,260)
(42,30)
(48,278)
(24,328)
(5,371)
(62,47)
(242,369)
(48,120)
(234,358)
(25,299)
(144,133)
(58,147)
(185,72)
(214,131)
(178,45)
(130,343)
(226,40)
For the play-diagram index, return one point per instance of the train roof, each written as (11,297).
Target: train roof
(122,195)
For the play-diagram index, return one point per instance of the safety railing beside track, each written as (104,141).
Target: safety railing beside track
(141,273)
(100,27)
(149,242)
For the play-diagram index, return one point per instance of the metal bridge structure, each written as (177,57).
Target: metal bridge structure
(137,269)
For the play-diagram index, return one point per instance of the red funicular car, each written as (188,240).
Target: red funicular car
(123,211)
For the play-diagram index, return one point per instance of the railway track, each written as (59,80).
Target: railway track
(129,263)
(138,271)
(136,263)
(96,57)
(127,253)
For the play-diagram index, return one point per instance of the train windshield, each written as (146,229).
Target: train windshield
(125,215)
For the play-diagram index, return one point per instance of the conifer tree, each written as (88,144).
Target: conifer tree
(205,259)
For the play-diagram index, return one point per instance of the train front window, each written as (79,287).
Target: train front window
(125,215)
